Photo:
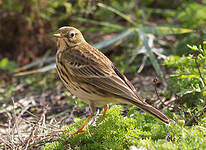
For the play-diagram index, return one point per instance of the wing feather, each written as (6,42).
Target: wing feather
(102,75)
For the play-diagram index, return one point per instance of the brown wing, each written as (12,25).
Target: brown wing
(96,69)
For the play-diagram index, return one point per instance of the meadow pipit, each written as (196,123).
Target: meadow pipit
(88,74)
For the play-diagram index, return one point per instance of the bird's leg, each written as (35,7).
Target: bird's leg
(93,109)
(106,108)
(83,125)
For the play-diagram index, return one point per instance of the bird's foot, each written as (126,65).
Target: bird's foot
(79,131)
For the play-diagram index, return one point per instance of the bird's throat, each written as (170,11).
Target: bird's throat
(61,44)
(64,44)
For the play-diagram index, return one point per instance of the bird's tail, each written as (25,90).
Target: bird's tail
(150,109)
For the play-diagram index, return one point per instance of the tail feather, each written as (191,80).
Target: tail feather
(153,111)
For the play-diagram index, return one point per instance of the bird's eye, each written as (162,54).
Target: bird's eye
(72,34)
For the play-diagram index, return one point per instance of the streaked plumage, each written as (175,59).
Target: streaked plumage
(90,75)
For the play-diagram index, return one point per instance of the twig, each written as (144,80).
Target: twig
(142,65)
(14,124)
(71,114)
(198,68)
(33,132)
(155,88)
(170,131)
(6,143)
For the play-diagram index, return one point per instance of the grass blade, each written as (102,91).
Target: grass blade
(164,30)
(113,39)
(118,13)
(41,70)
(36,63)
(106,24)
(150,53)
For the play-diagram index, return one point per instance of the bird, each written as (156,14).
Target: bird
(89,75)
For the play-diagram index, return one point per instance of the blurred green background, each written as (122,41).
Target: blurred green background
(26,26)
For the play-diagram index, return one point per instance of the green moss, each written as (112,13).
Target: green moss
(54,145)
(140,129)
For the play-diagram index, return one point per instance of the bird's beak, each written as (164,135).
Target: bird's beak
(58,35)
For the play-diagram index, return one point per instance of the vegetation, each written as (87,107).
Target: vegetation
(139,129)
(188,80)
(159,45)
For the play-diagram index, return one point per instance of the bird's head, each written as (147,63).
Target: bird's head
(68,37)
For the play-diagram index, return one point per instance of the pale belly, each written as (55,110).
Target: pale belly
(89,96)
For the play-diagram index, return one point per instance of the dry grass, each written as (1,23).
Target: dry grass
(25,130)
